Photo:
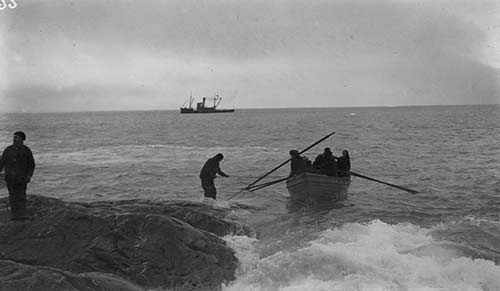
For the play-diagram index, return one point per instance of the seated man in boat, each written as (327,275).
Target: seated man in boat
(344,164)
(298,164)
(326,163)
(309,166)
(308,162)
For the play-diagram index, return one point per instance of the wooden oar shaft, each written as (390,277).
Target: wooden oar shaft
(238,193)
(264,185)
(285,162)
(258,187)
(389,184)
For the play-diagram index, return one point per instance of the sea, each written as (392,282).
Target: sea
(446,237)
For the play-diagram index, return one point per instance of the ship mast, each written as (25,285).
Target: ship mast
(218,99)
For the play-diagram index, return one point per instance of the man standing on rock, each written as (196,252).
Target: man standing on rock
(208,173)
(19,164)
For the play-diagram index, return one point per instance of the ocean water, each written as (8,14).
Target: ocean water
(447,237)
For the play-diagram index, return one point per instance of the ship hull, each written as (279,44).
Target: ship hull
(205,110)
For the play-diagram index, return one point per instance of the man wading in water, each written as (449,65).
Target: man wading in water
(208,173)
(19,164)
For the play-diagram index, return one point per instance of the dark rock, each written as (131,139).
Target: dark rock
(197,214)
(152,244)
(15,277)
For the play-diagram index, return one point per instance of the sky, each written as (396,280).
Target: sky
(93,55)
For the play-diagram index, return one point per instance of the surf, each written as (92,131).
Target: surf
(364,256)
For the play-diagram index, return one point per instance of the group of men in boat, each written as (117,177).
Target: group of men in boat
(325,163)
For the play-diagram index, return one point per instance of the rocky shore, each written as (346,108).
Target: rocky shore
(117,245)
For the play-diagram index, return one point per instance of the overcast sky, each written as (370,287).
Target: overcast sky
(140,55)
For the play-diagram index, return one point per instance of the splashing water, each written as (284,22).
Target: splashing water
(372,256)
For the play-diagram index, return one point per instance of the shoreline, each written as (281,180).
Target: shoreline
(137,243)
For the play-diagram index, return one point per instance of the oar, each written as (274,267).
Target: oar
(258,187)
(281,165)
(267,184)
(389,184)
(285,162)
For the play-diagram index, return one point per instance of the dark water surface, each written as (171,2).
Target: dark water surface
(445,238)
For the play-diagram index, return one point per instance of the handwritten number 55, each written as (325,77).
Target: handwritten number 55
(7,3)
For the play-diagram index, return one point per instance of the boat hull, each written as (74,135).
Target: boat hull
(205,110)
(313,188)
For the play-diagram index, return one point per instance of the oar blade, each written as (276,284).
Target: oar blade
(385,183)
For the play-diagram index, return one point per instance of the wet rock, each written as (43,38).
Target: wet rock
(15,277)
(199,215)
(152,244)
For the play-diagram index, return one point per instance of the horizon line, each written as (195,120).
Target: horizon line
(251,108)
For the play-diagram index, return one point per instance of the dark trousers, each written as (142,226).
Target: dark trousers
(17,199)
(209,187)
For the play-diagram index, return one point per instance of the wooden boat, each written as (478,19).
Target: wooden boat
(202,107)
(315,188)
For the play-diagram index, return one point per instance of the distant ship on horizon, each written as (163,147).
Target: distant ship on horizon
(202,107)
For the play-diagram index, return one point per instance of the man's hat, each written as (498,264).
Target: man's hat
(20,134)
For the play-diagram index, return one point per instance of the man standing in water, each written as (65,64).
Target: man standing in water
(19,164)
(208,173)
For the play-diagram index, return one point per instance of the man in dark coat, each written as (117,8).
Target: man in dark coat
(344,164)
(326,162)
(298,164)
(19,164)
(208,173)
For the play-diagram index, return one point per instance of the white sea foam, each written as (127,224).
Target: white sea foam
(246,253)
(373,256)
(216,203)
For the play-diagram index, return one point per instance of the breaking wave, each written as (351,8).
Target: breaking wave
(371,256)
